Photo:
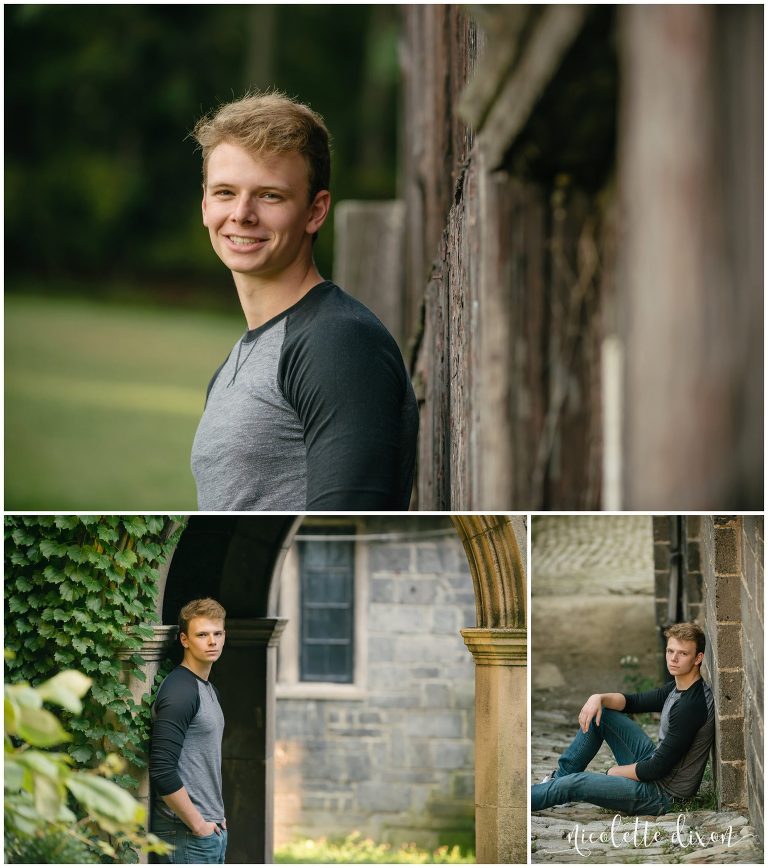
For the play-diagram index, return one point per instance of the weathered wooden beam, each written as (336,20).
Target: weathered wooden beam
(677,290)
(519,77)
(507,26)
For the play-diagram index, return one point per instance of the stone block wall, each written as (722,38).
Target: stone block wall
(682,539)
(662,555)
(752,595)
(722,589)
(723,663)
(692,598)
(396,761)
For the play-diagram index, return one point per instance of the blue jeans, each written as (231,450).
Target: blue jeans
(571,783)
(188,848)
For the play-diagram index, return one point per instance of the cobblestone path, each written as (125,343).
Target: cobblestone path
(572,833)
(591,555)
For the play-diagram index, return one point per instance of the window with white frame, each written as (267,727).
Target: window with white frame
(323,594)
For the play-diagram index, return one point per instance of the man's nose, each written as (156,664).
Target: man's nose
(244,211)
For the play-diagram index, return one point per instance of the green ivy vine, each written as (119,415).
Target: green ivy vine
(78,589)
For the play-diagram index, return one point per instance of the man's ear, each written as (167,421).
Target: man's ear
(699,658)
(183,639)
(204,207)
(318,211)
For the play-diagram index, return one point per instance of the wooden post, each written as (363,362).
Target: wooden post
(368,259)
(686,317)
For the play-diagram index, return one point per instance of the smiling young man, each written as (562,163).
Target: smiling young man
(313,408)
(647,776)
(185,756)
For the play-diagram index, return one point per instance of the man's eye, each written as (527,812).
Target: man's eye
(223,192)
(270,196)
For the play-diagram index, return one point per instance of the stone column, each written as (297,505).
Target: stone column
(153,650)
(245,677)
(501,727)
(723,666)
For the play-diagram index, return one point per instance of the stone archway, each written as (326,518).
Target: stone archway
(238,560)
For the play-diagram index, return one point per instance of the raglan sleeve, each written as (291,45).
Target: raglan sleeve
(647,700)
(347,383)
(175,707)
(685,720)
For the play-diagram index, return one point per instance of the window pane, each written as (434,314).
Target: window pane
(326,623)
(327,607)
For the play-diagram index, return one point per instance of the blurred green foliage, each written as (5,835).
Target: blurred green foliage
(357,850)
(100,178)
(102,401)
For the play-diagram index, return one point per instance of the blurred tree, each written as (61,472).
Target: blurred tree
(100,181)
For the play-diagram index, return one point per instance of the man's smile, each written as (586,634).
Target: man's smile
(245,240)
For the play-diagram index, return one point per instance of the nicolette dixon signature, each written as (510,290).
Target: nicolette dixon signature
(640,834)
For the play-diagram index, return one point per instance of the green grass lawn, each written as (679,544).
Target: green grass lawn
(102,402)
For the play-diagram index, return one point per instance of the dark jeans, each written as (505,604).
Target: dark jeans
(571,783)
(188,848)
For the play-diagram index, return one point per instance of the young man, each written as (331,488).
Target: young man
(313,408)
(185,758)
(648,777)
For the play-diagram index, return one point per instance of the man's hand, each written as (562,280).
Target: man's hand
(624,772)
(205,829)
(593,707)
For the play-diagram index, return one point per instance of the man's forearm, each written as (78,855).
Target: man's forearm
(181,805)
(624,772)
(615,701)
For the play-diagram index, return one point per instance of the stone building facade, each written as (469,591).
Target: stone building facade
(710,569)
(390,753)
(239,560)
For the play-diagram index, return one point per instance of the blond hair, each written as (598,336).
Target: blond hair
(269,122)
(205,607)
(687,631)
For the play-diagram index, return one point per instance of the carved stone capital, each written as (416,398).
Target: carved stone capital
(497,647)
(255,631)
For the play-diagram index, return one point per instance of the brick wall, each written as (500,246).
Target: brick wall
(397,761)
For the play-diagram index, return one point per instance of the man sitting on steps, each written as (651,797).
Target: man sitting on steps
(648,776)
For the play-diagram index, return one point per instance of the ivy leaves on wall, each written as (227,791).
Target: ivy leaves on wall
(78,589)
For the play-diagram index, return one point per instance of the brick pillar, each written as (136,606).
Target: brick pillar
(501,726)
(153,650)
(724,660)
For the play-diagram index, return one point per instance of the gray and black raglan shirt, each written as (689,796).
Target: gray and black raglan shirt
(312,410)
(686,732)
(187,728)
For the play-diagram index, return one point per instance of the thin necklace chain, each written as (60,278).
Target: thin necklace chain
(238,366)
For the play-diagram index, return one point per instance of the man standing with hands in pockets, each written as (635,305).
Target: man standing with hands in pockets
(185,757)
